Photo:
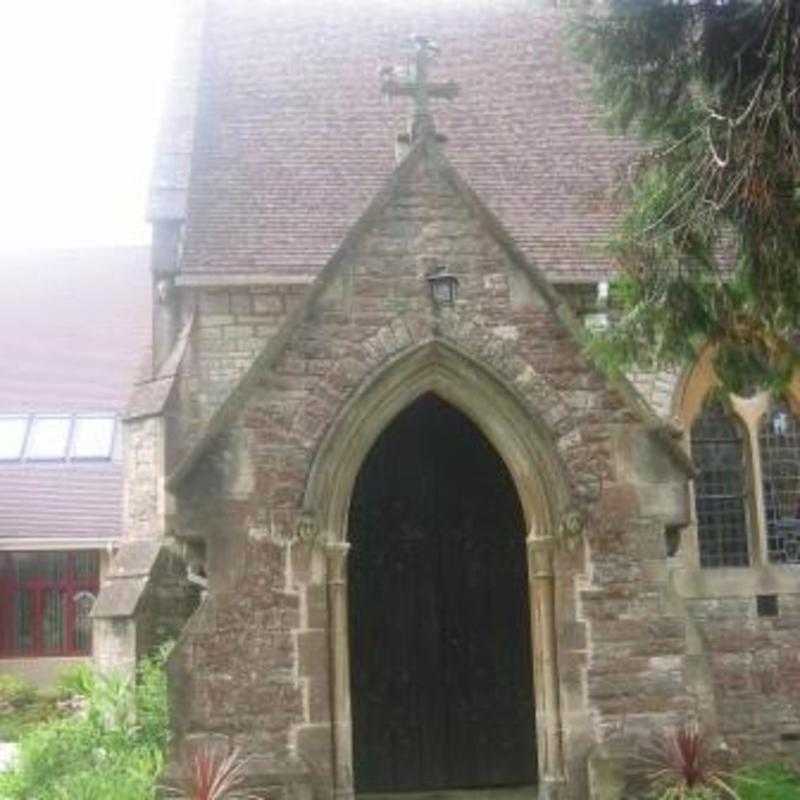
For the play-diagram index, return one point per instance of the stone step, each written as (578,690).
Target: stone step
(8,755)
(494,793)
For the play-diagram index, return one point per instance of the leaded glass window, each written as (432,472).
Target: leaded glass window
(779,439)
(718,451)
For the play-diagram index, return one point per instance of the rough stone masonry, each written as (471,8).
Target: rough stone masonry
(245,442)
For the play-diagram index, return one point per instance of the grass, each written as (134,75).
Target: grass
(22,708)
(15,723)
(767,782)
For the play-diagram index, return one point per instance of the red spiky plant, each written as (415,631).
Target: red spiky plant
(682,766)
(211,772)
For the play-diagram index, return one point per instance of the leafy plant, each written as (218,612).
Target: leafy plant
(210,772)
(150,700)
(15,692)
(22,708)
(681,766)
(114,750)
(77,680)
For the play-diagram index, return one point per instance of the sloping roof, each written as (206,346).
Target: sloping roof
(74,327)
(60,501)
(294,139)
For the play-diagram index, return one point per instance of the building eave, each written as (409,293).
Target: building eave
(28,543)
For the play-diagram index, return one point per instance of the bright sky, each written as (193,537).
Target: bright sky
(81,90)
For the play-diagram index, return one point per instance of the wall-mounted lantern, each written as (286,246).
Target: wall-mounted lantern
(444,287)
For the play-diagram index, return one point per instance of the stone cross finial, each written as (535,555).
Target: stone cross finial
(417,86)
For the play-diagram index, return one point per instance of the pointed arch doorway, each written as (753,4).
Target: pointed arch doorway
(438,611)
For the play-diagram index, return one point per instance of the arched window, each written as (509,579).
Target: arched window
(719,454)
(779,440)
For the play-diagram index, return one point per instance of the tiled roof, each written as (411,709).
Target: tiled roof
(73,325)
(73,332)
(60,501)
(294,137)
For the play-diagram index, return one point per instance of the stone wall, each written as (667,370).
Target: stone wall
(231,328)
(751,664)
(253,663)
(143,488)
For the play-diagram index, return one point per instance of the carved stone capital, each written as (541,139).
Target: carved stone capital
(571,524)
(336,553)
(307,529)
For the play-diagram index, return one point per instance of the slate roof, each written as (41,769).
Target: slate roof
(74,327)
(293,137)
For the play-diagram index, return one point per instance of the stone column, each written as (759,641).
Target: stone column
(341,722)
(545,668)
(751,411)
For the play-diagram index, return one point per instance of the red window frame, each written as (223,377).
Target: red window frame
(69,585)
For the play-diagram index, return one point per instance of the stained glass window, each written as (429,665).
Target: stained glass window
(779,439)
(718,451)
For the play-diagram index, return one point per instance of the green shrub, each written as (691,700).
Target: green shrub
(114,750)
(15,692)
(77,680)
(767,782)
(152,710)
(22,708)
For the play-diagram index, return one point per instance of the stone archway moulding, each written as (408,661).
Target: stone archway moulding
(530,454)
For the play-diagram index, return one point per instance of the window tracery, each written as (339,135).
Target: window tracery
(747,491)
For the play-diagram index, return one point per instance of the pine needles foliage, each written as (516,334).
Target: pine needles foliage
(708,248)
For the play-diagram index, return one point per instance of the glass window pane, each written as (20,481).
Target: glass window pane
(40,566)
(779,439)
(53,621)
(12,437)
(93,437)
(718,452)
(51,566)
(83,601)
(48,438)
(23,622)
(26,566)
(87,567)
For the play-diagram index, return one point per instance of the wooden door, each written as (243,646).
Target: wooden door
(438,603)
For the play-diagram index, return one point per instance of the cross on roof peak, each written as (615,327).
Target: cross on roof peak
(415,84)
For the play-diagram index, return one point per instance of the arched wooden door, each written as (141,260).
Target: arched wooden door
(440,651)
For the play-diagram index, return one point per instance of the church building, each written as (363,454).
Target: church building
(408,537)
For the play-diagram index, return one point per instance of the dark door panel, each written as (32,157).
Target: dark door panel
(439,631)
